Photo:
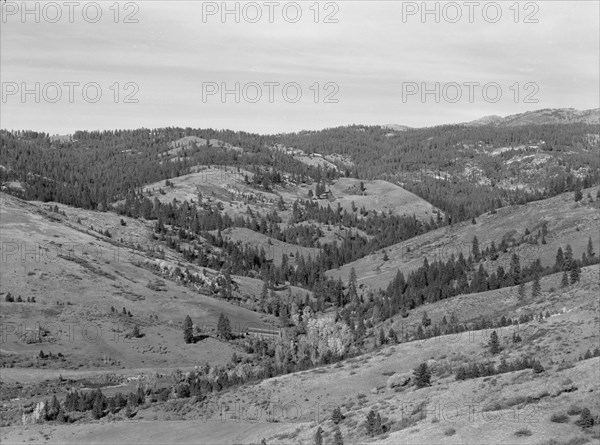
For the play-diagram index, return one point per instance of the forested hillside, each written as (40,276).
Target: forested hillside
(467,170)
(463,170)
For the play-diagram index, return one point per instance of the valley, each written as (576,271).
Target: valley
(205,286)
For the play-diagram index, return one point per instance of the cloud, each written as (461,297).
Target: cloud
(368,54)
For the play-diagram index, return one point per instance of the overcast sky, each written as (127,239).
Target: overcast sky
(368,66)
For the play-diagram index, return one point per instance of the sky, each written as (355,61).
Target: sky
(272,67)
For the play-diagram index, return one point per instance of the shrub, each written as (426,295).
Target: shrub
(559,418)
(523,432)
(537,367)
(574,410)
(449,432)
(585,419)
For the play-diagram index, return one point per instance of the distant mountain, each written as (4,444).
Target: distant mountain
(395,127)
(542,117)
(486,120)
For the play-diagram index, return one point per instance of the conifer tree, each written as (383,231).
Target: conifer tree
(319,436)
(393,338)
(590,250)
(336,415)
(425,320)
(475,249)
(536,288)
(224,327)
(494,343)
(370,424)
(378,427)
(188,334)
(560,260)
(521,291)
(565,280)
(575,272)
(382,340)
(352,291)
(515,269)
(422,375)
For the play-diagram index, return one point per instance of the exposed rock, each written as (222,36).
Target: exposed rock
(397,380)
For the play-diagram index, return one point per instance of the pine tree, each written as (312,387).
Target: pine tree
(494,343)
(378,427)
(565,280)
(536,288)
(97,411)
(188,333)
(516,338)
(381,337)
(319,436)
(226,290)
(361,329)
(578,196)
(352,291)
(475,249)
(422,375)
(590,250)
(224,327)
(568,261)
(575,272)
(264,294)
(515,268)
(336,415)
(560,260)
(425,320)
(370,424)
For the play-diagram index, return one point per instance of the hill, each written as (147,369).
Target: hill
(568,222)
(543,117)
(60,256)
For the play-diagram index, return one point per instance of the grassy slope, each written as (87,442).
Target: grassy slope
(102,277)
(568,222)
(274,249)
